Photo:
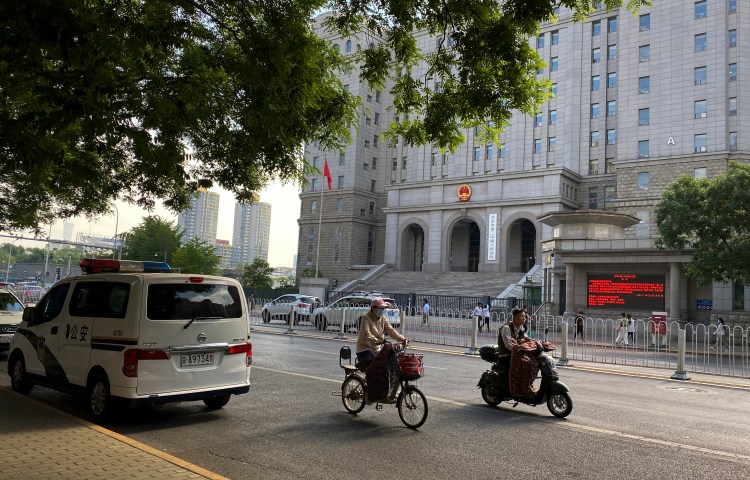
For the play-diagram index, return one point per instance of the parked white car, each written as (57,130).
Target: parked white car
(349,309)
(301,306)
(11,312)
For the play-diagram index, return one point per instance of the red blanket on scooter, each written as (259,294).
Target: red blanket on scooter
(381,374)
(524,367)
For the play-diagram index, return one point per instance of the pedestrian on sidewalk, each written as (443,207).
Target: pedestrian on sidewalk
(622,325)
(721,330)
(486,315)
(579,326)
(425,312)
(631,329)
(479,315)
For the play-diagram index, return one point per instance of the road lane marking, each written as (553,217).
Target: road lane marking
(562,424)
(318,351)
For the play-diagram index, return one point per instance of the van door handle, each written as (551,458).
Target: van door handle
(54,330)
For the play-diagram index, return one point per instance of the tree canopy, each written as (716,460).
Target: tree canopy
(196,257)
(257,275)
(99,100)
(154,239)
(710,217)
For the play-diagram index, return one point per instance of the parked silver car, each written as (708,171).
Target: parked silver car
(349,309)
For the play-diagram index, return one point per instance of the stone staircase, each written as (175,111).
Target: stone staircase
(446,283)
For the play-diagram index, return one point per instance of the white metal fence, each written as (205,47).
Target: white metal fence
(704,350)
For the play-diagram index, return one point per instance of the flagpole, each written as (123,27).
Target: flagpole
(320,223)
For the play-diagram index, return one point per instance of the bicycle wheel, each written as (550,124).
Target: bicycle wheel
(353,394)
(412,407)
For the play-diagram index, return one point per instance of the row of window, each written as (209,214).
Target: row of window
(340,207)
(700,143)
(312,250)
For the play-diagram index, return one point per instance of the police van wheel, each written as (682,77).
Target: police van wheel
(100,401)
(18,379)
(216,402)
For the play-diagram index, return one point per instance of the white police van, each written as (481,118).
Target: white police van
(123,333)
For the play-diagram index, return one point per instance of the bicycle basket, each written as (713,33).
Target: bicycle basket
(411,365)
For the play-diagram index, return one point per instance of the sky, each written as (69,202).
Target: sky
(285,209)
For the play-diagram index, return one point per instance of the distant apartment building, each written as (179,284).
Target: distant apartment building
(638,100)
(224,251)
(252,227)
(201,219)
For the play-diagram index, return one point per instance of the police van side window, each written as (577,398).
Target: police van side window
(184,302)
(99,299)
(52,303)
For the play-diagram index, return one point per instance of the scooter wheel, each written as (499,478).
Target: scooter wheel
(490,399)
(560,404)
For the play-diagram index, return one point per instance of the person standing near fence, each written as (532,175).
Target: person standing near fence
(479,315)
(486,315)
(622,325)
(579,326)
(425,312)
(631,329)
(721,330)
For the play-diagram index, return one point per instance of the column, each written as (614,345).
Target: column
(570,287)
(674,291)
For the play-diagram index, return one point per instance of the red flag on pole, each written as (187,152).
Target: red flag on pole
(327,174)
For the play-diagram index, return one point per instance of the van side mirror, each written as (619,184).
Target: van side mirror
(29,315)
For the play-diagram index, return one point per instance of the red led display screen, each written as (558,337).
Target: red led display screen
(626,291)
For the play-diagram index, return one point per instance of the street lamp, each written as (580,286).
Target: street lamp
(159,253)
(10,254)
(114,240)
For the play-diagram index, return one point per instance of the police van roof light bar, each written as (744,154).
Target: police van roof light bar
(102,265)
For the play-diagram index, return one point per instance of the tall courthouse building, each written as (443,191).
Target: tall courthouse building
(567,195)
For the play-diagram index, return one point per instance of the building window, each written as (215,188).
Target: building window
(593,166)
(553,90)
(489,152)
(594,110)
(367,144)
(314,185)
(314,206)
(732,72)
(310,245)
(342,159)
(403,163)
(732,141)
(377,99)
(612,24)
(611,137)
(377,119)
(612,108)
(643,117)
(612,52)
(372,208)
(739,296)
(540,41)
(609,165)
(644,179)
(700,142)
(555,37)
(700,173)
(610,193)
(348,46)
(644,22)
(733,106)
(368,120)
(369,97)
(642,228)
(375,139)
(595,139)
(341,182)
(433,159)
(336,47)
(612,80)
(644,53)
(336,245)
(316,163)
(596,28)
(370,245)
(732,38)
(595,80)
(374,163)
(361,212)
(502,150)
(642,148)
(732,6)
(366,166)
(700,109)
(477,154)
(395,165)
(552,117)
(701,42)
(644,85)
(445,158)
(372,185)
(551,144)
(596,56)
(554,64)
(538,119)
(537,145)
(593,198)
(700,76)
(700,9)
(346,87)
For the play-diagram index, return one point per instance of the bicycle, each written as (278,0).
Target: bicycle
(410,401)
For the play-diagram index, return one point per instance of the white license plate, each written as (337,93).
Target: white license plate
(6,338)
(193,359)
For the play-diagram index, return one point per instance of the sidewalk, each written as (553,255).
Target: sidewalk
(41,442)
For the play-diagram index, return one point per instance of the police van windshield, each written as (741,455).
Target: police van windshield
(9,303)
(185,302)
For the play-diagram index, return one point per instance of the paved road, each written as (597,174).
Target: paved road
(292,427)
